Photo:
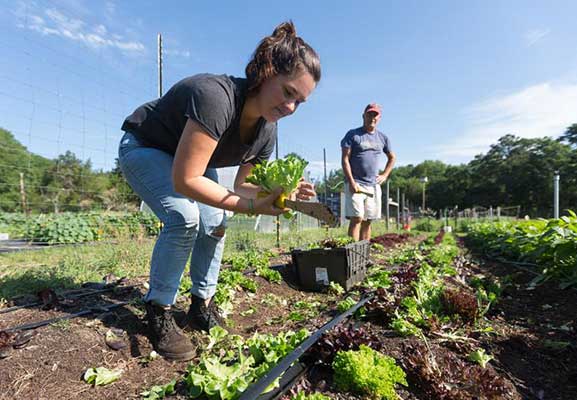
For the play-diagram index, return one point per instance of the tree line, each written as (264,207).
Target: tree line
(31,183)
(514,172)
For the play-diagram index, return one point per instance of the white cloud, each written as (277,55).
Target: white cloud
(541,110)
(55,23)
(177,53)
(535,36)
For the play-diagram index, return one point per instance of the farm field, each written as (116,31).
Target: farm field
(457,324)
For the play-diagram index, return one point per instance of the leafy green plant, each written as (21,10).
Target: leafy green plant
(549,244)
(369,372)
(302,310)
(331,243)
(378,279)
(231,364)
(346,304)
(335,288)
(229,281)
(284,172)
(428,225)
(269,274)
(480,357)
(159,391)
(101,376)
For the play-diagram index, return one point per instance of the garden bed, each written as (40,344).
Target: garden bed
(533,346)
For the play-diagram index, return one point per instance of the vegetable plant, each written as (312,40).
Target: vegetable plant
(369,372)
(284,172)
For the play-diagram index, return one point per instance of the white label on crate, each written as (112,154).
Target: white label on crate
(322,275)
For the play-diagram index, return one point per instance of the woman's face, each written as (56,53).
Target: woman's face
(280,95)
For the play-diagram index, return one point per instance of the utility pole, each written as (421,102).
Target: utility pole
(325,168)
(159,65)
(143,206)
(387,206)
(23,195)
(424,180)
(404,218)
(398,208)
(556,195)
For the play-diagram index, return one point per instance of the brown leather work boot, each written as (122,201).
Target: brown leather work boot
(200,316)
(168,339)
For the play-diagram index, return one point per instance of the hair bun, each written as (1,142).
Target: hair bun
(283,52)
(286,29)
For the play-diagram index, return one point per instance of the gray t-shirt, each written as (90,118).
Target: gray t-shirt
(213,101)
(366,151)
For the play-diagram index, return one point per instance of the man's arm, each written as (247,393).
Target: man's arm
(383,176)
(345,158)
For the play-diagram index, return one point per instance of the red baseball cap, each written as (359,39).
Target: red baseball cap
(373,107)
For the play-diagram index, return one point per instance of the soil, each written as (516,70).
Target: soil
(535,345)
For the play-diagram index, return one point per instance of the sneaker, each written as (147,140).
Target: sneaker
(200,316)
(168,339)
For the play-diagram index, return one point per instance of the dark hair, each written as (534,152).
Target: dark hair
(283,52)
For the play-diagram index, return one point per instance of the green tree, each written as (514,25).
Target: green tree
(570,136)
(16,160)
(66,183)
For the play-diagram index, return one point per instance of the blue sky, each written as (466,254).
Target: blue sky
(452,76)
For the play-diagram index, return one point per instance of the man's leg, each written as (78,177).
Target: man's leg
(365,230)
(372,211)
(354,211)
(355,228)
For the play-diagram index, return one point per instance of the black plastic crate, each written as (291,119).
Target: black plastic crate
(346,265)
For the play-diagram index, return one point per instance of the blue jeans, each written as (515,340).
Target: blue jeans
(190,228)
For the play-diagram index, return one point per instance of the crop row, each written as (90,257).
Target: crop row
(67,228)
(549,244)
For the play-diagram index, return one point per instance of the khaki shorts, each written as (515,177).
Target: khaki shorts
(361,205)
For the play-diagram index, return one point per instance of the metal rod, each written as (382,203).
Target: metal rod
(325,169)
(160,65)
(387,211)
(556,195)
(398,208)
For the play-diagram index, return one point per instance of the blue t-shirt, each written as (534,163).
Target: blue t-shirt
(366,151)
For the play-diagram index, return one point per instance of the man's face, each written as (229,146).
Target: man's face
(370,120)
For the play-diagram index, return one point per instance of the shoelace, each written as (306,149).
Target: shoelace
(166,321)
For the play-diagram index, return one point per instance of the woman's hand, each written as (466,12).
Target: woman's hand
(304,191)
(265,205)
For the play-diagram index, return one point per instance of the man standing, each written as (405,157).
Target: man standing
(362,148)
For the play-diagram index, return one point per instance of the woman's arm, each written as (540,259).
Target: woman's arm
(190,162)
(244,188)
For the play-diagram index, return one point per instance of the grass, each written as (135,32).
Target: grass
(26,272)
(69,266)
